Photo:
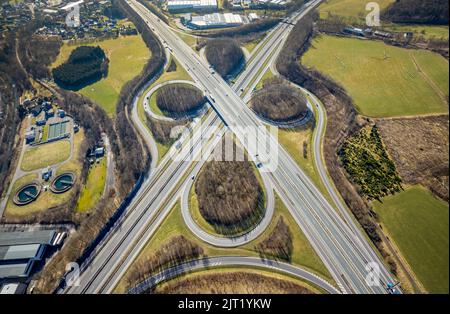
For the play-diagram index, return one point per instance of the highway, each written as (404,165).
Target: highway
(145,211)
(224,261)
(342,251)
(222,241)
(102,271)
(154,194)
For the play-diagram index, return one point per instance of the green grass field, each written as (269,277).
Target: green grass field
(418,223)
(93,189)
(267,75)
(354,12)
(384,81)
(173,225)
(45,155)
(354,9)
(127,57)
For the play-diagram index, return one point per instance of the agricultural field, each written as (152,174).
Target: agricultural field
(419,146)
(384,81)
(354,12)
(127,57)
(303,254)
(418,224)
(92,191)
(352,9)
(45,155)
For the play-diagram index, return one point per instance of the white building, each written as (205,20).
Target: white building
(215,20)
(191,5)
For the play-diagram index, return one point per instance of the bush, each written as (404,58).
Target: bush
(85,66)
(368,164)
(247,29)
(278,244)
(162,130)
(225,55)
(177,250)
(230,197)
(277,101)
(179,99)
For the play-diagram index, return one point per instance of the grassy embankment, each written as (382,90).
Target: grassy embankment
(384,81)
(418,224)
(92,191)
(174,225)
(127,57)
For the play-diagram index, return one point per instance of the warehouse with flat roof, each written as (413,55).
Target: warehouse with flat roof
(191,5)
(20,250)
(214,20)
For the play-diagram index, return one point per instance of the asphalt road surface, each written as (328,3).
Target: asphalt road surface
(223,261)
(349,260)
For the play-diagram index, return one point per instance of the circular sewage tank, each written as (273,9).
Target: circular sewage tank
(63,183)
(27,194)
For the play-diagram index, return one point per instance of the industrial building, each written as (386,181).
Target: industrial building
(20,250)
(174,6)
(215,20)
(275,3)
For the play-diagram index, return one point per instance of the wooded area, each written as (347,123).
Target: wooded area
(418,12)
(279,102)
(85,66)
(225,55)
(125,145)
(230,197)
(278,244)
(179,99)
(367,163)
